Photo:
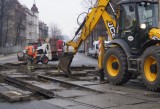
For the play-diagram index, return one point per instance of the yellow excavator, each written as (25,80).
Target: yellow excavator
(134,30)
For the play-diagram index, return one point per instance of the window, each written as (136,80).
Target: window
(128,17)
(148,14)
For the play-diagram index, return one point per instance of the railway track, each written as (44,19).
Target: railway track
(49,84)
(42,84)
(34,84)
(50,87)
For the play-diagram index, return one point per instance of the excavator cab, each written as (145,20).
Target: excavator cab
(136,19)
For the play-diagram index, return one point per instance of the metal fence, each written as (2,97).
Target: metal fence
(10,50)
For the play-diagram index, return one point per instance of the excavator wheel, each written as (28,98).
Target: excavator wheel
(150,68)
(115,66)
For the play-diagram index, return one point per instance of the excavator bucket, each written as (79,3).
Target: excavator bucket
(65,62)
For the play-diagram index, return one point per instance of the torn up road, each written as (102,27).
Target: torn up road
(49,89)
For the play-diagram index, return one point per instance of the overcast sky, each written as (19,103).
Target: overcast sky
(64,13)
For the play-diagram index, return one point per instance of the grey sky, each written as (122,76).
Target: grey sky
(64,13)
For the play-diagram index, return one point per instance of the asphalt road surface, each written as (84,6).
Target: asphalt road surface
(8,59)
(78,60)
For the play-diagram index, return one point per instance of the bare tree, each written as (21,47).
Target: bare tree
(20,21)
(88,3)
(7,28)
(5,7)
(92,3)
(55,31)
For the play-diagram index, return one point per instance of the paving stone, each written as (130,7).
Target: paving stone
(60,102)
(73,93)
(139,106)
(83,83)
(55,72)
(79,107)
(47,86)
(108,100)
(9,72)
(19,90)
(29,105)
(61,73)
(19,76)
(13,95)
(17,63)
(66,104)
(3,89)
(134,92)
(3,84)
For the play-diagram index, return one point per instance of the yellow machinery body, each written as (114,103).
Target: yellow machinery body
(133,50)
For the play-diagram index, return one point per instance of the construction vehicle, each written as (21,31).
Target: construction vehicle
(56,47)
(21,56)
(48,51)
(134,48)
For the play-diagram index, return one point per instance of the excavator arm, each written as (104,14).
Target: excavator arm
(86,28)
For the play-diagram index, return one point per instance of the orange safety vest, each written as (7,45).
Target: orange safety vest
(31,51)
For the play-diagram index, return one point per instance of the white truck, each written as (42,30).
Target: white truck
(48,51)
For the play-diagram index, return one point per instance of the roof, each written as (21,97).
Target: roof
(34,8)
(133,1)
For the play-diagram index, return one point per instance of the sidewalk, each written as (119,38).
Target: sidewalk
(8,55)
(8,58)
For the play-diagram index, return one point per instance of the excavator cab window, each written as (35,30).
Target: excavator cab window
(148,14)
(128,16)
(135,19)
(128,24)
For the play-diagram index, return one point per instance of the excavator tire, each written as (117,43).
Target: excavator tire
(150,68)
(115,66)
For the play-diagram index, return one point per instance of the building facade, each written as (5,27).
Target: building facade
(43,30)
(20,25)
(14,25)
(32,24)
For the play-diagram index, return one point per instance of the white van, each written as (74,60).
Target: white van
(93,52)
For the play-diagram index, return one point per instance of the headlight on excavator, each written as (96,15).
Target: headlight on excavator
(143,26)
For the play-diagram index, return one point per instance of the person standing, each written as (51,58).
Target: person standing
(31,52)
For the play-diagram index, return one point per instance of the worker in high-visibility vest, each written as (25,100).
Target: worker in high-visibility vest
(31,51)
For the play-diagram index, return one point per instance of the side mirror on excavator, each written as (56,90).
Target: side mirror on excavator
(131,8)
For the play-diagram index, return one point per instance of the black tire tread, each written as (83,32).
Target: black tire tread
(155,51)
(125,76)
